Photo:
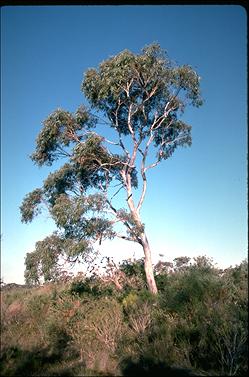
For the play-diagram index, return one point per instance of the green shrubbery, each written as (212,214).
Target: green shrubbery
(197,325)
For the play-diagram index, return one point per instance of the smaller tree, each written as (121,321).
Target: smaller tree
(181,263)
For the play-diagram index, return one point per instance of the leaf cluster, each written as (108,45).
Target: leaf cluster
(43,262)
(60,129)
(144,83)
(46,261)
(30,205)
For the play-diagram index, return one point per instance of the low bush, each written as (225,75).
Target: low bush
(196,325)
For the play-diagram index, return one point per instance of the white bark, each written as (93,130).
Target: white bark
(148,265)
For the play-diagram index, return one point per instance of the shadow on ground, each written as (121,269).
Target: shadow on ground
(148,367)
(17,362)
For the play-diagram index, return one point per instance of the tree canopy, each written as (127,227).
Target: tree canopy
(141,97)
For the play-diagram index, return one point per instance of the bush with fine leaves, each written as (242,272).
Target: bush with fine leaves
(198,323)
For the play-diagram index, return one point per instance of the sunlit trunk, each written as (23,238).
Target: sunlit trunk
(148,265)
(142,239)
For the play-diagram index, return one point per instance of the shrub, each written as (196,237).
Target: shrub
(199,321)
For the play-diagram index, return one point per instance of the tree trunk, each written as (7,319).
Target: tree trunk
(144,242)
(148,265)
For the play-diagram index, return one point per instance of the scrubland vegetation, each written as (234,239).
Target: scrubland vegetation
(85,326)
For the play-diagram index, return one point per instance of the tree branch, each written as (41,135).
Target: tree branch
(126,237)
(142,170)
(117,216)
(120,188)
(152,165)
(129,124)
(116,126)
(151,93)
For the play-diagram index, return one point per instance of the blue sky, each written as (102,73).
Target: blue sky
(197,201)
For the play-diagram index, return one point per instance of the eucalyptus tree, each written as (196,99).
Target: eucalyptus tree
(141,98)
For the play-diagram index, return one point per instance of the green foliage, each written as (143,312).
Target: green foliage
(135,279)
(133,268)
(91,287)
(59,182)
(197,325)
(150,69)
(93,155)
(152,81)
(30,206)
(59,129)
(141,96)
(190,285)
(70,214)
(43,262)
(181,262)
